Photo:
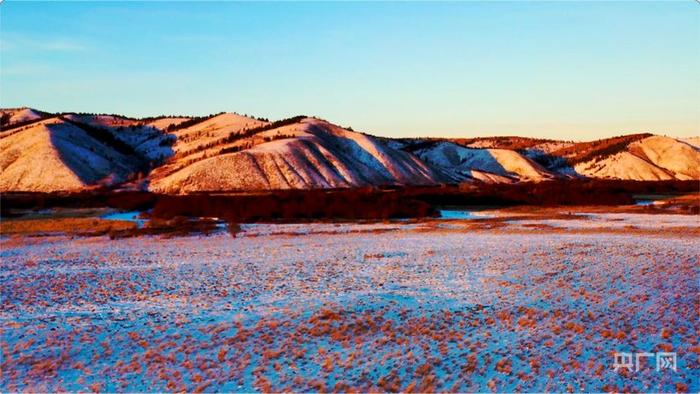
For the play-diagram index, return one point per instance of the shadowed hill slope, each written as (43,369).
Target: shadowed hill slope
(57,155)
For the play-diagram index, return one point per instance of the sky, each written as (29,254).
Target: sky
(567,70)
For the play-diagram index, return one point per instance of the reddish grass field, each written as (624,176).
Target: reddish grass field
(502,304)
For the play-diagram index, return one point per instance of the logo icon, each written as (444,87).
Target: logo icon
(665,361)
(633,361)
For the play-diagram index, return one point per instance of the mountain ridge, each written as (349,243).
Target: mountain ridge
(227,151)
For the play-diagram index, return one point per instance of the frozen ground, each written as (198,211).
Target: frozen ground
(374,307)
(617,221)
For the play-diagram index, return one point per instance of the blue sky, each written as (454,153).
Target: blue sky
(572,70)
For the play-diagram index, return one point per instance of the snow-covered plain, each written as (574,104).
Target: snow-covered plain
(617,221)
(374,307)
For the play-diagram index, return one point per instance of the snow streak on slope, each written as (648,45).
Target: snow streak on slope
(322,156)
(491,165)
(55,155)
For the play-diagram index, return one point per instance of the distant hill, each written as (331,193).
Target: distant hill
(45,152)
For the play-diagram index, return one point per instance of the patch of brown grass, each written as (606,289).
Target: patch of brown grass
(176,227)
(69,226)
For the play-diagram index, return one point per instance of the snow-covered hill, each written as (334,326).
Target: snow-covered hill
(14,116)
(649,159)
(317,154)
(486,164)
(227,151)
(56,155)
(678,158)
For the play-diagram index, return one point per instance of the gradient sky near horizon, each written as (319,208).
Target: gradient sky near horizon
(571,70)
